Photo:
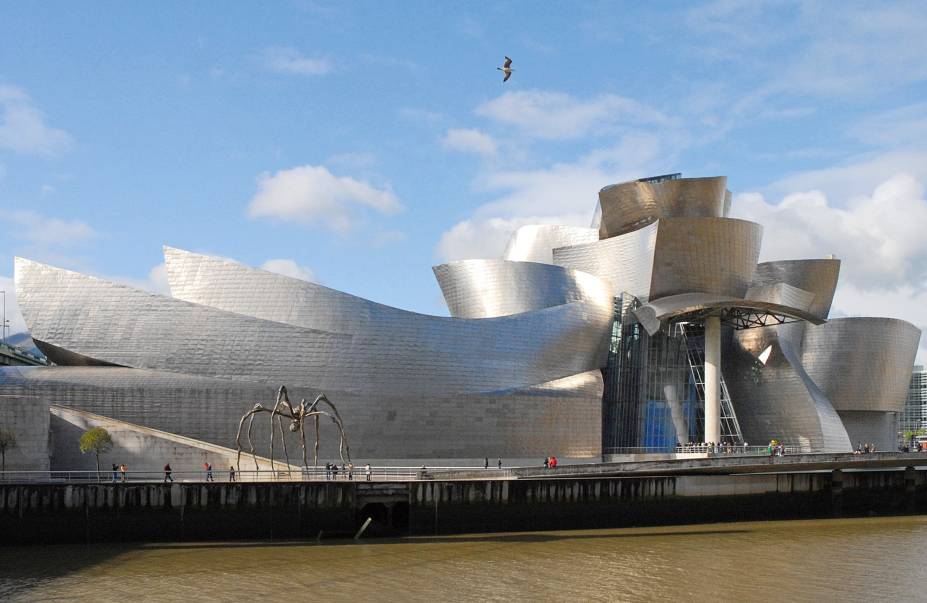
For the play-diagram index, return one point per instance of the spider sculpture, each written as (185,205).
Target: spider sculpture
(284,411)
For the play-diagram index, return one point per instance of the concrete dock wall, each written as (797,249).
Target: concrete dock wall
(196,511)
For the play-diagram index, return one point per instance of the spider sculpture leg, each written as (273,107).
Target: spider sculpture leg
(302,442)
(315,456)
(251,441)
(286,454)
(241,424)
(344,448)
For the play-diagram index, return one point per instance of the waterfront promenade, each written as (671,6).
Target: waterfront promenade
(602,495)
(713,464)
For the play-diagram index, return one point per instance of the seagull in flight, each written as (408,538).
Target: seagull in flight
(506,69)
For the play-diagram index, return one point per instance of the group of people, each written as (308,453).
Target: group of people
(346,469)
(486,463)
(118,470)
(775,448)
(550,462)
(914,447)
(714,447)
(864,448)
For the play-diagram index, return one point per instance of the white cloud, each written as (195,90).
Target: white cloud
(156,282)
(288,268)
(290,61)
(469,141)
(479,238)
(564,193)
(880,237)
(44,231)
(863,173)
(559,116)
(23,128)
(310,194)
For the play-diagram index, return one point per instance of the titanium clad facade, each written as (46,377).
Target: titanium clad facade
(629,206)
(490,288)
(417,355)
(673,256)
(862,364)
(708,255)
(816,276)
(517,371)
(776,399)
(625,262)
(536,242)
(563,415)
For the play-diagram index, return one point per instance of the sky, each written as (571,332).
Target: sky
(359,144)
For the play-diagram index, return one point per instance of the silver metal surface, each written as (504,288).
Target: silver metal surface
(711,255)
(779,299)
(626,262)
(817,276)
(673,256)
(562,416)
(774,397)
(515,371)
(388,352)
(536,242)
(862,364)
(490,288)
(628,206)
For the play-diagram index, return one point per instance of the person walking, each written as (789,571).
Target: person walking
(500,463)
(209,472)
(231,473)
(486,463)
(367,471)
(115,471)
(167,473)
(351,471)
(547,462)
(123,468)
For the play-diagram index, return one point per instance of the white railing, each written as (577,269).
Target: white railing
(305,474)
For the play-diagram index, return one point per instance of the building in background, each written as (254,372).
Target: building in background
(914,417)
(654,327)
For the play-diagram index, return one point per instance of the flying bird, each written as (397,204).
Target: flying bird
(506,69)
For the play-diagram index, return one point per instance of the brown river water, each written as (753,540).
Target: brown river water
(873,559)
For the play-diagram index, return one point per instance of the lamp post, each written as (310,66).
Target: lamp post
(3,325)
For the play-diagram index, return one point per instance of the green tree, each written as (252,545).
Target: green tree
(7,442)
(97,441)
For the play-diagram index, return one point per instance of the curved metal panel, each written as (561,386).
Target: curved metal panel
(711,255)
(774,398)
(862,364)
(536,242)
(630,205)
(625,262)
(817,276)
(563,415)
(780,299)
(490,288)
(387,352)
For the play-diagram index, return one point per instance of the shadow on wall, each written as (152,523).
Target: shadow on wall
(28,419)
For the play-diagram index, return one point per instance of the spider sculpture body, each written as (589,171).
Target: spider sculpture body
(296,417)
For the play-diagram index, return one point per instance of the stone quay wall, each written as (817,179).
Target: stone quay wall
(189,511)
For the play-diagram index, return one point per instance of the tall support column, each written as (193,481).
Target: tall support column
(713,379)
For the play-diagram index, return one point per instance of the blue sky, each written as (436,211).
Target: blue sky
(361,143)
